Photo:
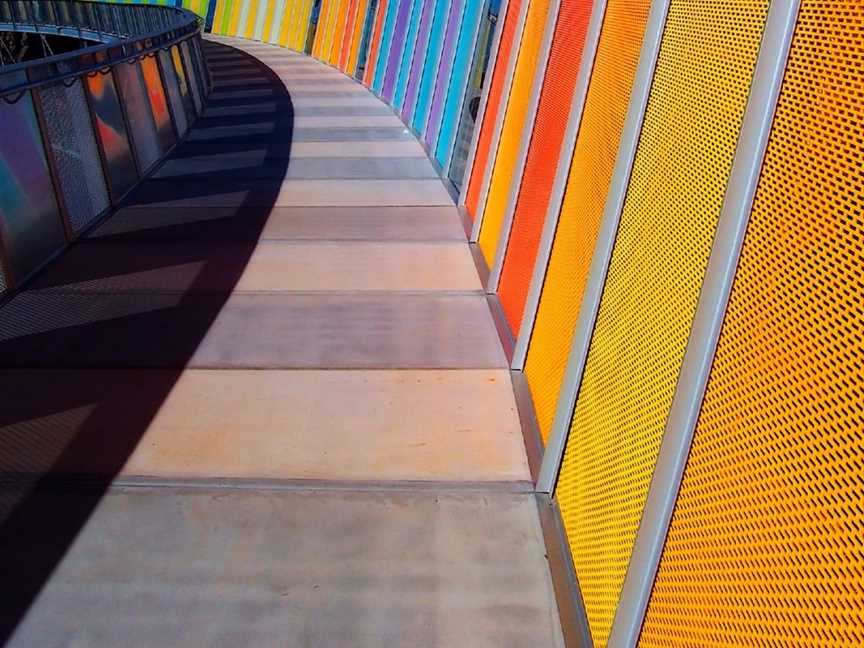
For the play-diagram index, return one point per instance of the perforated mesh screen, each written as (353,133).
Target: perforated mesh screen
(544,152)
(397,46)
(340,18)
(111,132)
(768,530)
(158,102)
(31,229)
(375,42)
(515,127)
(300,28)
(275,13)
(493,105)
(348,34)
(194,81)
(409,54)
(357,36)
(73,147)
(676,191)
(321,30)
(585,196)
(138,113)
(173,91)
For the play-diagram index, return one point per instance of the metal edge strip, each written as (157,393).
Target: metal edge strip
(475,30)
(541,69)
(654,29)
(710,312)
(568,594)
(556,198)
(484,94)
(528,423)
(499,120)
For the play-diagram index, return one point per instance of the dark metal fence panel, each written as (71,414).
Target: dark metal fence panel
(31,229)
(79,130)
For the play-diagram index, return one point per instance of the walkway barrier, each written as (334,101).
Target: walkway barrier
(426,59)
(80,130)
(668,195)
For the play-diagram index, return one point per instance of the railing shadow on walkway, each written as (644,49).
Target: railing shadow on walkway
(70,432)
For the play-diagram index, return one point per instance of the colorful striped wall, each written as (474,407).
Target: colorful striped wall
(425,58)
(667,195)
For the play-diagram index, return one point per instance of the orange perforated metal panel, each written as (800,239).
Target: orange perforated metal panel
(347,35)
(686,146)
(766,545)
(544,152)
(493,105)
(587,183)
(516,126)
(321,28)
(341,9)
(357,36)
(374,44)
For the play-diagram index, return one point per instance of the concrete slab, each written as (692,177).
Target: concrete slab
(330,100)
(251,94)
(282,353)
(355,149)
(277,104)
(386,193)
(161,567)
(269,266)
(292,193)
(301,94)
(351,134)
(231,167)
(343,83)
(341,121)
(343,109)
(283,223)
(270,331)
(298,134)
(284,425)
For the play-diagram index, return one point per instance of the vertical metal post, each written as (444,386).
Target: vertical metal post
(129,134)
(106,174)
(524,144)
(710,311)
(163,76)
(484,95)
(463,92)
(62,208)
(603,249)
(499,120)
(559,186)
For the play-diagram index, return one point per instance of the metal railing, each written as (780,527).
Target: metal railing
(79,130)
(98,21)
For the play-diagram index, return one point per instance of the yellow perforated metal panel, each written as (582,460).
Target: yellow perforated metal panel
(322,31)
(694,113)
(340,20)
(584,198)
(300,26)
(287,22)
(766,545)
(268,20)
(514,128)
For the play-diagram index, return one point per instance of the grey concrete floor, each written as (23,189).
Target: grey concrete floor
(265,404)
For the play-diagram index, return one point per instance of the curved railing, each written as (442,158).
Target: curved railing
(78,131)
(97,21)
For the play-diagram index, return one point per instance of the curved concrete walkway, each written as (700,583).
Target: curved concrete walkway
(277,383)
